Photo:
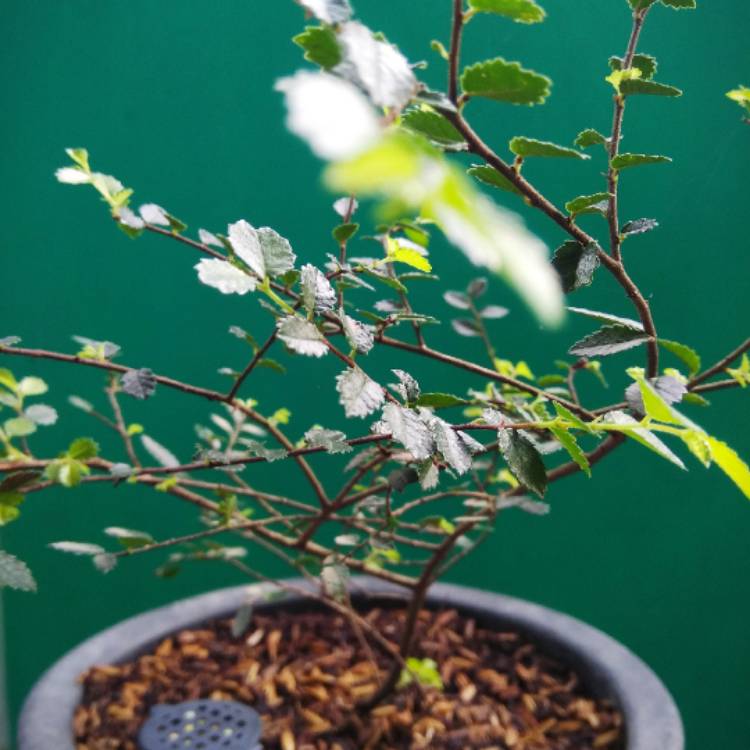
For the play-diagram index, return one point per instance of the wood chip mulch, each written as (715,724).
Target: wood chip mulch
(305,672)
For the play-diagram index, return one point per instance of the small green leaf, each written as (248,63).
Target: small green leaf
(320,45)
(408,256)
(129,538)
(31,386)
(523,460)
(526,147)
(424,671)
(80,156)
(490,176)
(568,416)
(575,265)
(645,63)
(440,400)
(650,88)
(741,95)
(520,11)
(8,380)
(590,137)
(19,427)
(742,373)
(608,340)
(505,81)
(9,502)
(680,4)
(15,574)
(588,204)
(624,161)
(83,449)
(571,446)
(689,356)
(432,126)
(632,429)
(344,232)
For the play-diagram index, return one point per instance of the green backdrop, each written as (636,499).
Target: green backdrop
(176,99)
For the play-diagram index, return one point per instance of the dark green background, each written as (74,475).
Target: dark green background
(176,99)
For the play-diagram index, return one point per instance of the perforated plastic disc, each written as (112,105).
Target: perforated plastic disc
(201,725)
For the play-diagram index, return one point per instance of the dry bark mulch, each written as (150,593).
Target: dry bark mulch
(305,672)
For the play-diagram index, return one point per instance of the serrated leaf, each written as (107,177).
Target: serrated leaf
(632,428)
(638,226)
(575,265)
(278,256)
(376,66)
(408,428)
(587,204)
(407,387)
(624,161)
(530,147)
(440,400)
(139,384)
(608,340)
(650,88)
(449,444)
(301,336)
(568,416)
(259,450)
(689,356)
(320,45)
(590,137)
(223,276)
(334,441)
(645,63)
(15,574)
(433,126)
(41,414)
(574,450)
(317,293)
(490,176)
(359,336)
(358,393)
(669,389)
(520,11)
(633,325)
(505,81)
(523,460)
(163,456)
(680,4)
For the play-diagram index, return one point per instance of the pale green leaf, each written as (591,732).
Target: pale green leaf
(32,386)
(633,325)
(645,63)
(432,126)
(731,464)
(19,427)
(633,429)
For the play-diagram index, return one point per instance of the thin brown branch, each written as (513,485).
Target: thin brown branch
(721,365)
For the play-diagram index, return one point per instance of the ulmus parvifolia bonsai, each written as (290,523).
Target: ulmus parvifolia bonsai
(410,446)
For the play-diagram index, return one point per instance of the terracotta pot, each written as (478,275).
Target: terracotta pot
(609,669)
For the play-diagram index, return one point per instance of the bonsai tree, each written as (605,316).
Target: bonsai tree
(424,471)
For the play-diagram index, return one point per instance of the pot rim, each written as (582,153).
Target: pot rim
(652,721)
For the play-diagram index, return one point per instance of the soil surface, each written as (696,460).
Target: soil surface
(304,672)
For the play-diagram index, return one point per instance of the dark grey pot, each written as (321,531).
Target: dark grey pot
(651,717)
